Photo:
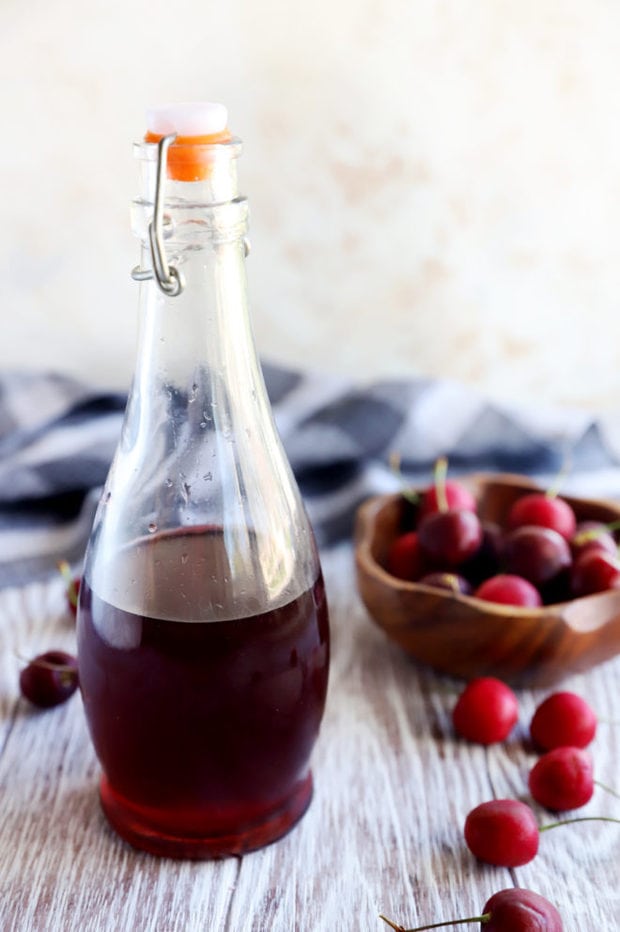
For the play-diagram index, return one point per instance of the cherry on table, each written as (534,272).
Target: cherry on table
(486,711)
(502,832)
(518,910)
(49,679)
(563,719)
(512,910)
(562,779)
(508,589)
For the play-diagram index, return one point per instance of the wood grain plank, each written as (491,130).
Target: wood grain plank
(383,833)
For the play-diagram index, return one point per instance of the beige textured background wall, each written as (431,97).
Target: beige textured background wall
(435,186)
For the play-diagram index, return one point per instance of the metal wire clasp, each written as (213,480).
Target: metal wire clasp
(167,276)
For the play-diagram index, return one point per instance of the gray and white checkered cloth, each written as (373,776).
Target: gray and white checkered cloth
(57,438)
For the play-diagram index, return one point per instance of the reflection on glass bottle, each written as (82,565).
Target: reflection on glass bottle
(203,636)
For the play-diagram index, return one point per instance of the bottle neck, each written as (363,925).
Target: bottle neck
(206,326)
(203,334)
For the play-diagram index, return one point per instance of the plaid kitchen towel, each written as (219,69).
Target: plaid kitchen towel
(57,438)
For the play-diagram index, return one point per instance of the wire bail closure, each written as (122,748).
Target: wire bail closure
(167,276)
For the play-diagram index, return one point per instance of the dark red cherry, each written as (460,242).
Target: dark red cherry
(450,537)
(405,559)
(539,554)
(49,679)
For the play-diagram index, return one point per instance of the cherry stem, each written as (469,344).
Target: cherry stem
(441,472)
(601,818)
(485,917)
(407,493)
(65,571)
(608,789)
(554,490)
(46,664)
(584,537)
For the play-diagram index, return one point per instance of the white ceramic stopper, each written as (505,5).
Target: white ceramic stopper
(187,119)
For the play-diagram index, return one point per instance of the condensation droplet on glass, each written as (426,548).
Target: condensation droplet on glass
(152,527)
(186,492)
(108,497)
(184,558)
(203,424)
(168,483)
(208,476)
(193,393)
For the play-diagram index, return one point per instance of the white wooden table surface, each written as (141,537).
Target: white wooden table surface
(383,833)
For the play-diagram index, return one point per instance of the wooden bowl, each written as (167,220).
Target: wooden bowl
(466,637)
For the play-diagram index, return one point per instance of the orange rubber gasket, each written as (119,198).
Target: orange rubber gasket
(187,159)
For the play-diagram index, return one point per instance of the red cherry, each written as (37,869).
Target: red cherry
(593,535)
(508,589)
(562,779)
(563,719)
(594,571)
(511,910)
(541,510)
(458,497)
(405,559)
(49,679)
(450,537)
(502,832)
(486,711)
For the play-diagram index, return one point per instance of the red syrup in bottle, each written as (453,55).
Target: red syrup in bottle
(204,729)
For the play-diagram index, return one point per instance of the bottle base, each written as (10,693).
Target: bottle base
(143,833)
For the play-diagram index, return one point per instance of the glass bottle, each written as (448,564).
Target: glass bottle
(203,636)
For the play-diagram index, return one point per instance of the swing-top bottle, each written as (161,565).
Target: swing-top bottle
(202,629)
